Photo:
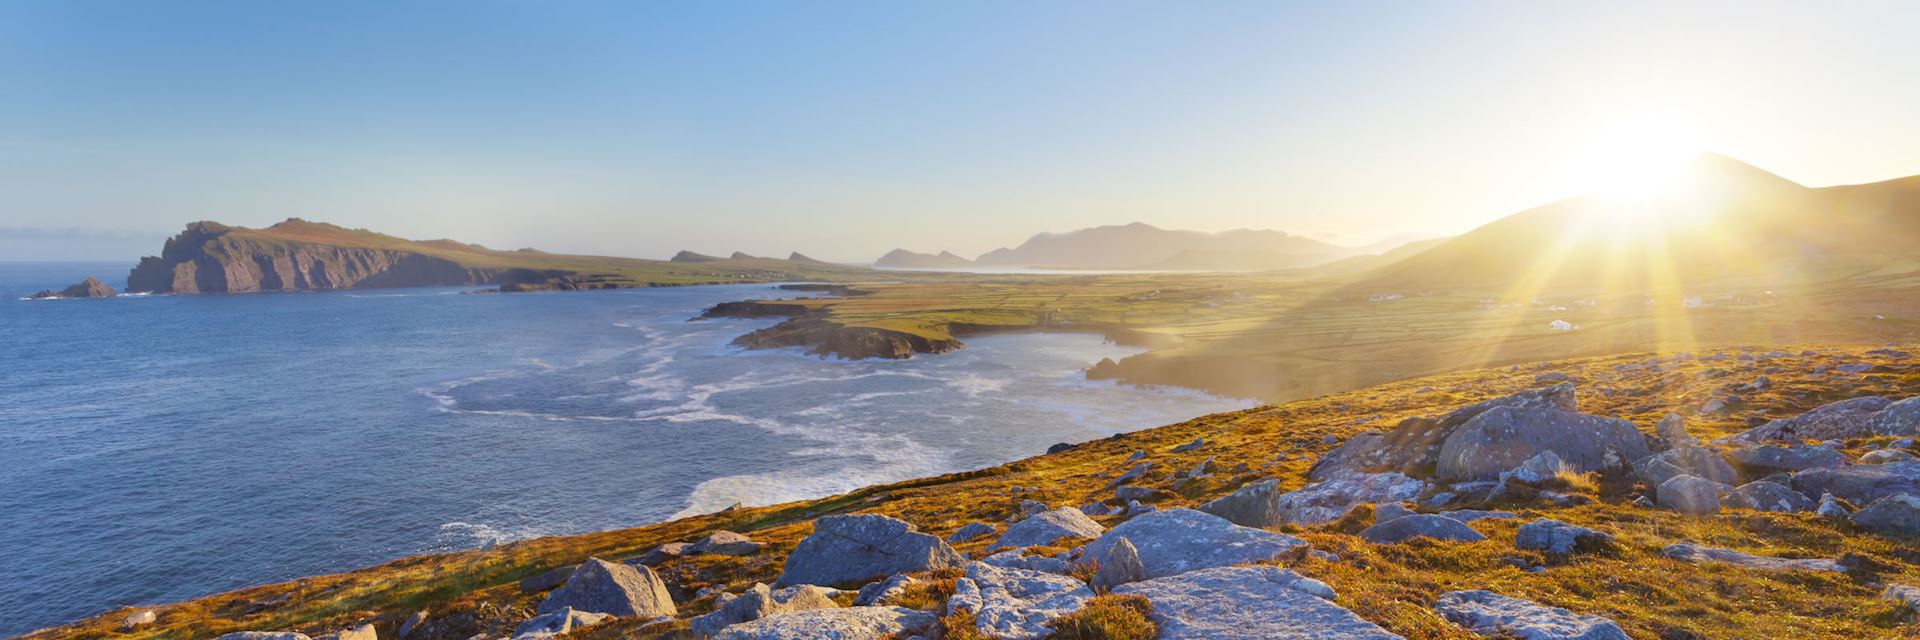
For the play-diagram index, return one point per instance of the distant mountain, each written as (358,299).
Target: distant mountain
(1720,218)
(799,257)
(904,259)
(1144,246)
(689,256)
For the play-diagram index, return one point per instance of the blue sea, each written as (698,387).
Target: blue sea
(159,448)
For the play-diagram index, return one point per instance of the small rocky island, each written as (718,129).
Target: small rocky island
(89,288)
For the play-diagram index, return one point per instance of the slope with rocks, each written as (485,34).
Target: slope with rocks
(1572,540)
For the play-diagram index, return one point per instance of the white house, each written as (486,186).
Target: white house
(1561,325)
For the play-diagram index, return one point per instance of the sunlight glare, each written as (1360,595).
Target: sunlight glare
(1640,157)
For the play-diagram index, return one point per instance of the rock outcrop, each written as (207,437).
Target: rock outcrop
(90,288)
(1262,504)
(1420,525)
(758,602)
(1045,527)
(1892,515)
(851,623)
(1554,536)
(1015,603)
(1836,421)
(850,548)
(1690,552)
(1414,445)
(556,623)
(1493,615)
(209,257)
(620,590)
(1180,540)
(1502,438)
(1248,603)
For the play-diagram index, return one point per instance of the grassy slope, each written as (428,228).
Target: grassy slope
(1649,595)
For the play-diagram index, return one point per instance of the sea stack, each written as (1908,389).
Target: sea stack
(89,288)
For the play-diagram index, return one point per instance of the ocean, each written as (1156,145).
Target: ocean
(160,448)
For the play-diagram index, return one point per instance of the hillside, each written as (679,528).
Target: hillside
(297,255)
(1643,563)
(1144,246)
(904,259)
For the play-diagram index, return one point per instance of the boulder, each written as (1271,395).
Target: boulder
(1015,604)
(1248,603)
(139,619)
(547,580)
(621,590)
(1554,536)
(1018,560)
(1861,484)
(856,547)
(1176,541)
(1699,461)
(1672,431)
(1420,525)
(1892,515)
(1490,614)
(970,531)
(659,554)
(548,625)
(1799,457)
(1390,511)
(1470,515)
(411,624)
(1884,456)
(1131,493)
(1835,421)
(1191,446)
(1655,471)
(1690,494)
(362,631)
(1119,566)
(1262,504)
(1762,495)
(759,601)
(1831,508)
(1538,469)
(884,592)
(1415,443)
(1898,419)
(1908,596)
(1137,472)
(1044,528)
(1502,438)
(725,543)
(1689,552)
(851,623)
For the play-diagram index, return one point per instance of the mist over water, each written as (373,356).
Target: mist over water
(160,448)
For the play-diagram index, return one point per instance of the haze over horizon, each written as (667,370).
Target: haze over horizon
(962,128)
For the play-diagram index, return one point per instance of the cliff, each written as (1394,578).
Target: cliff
(809,327)
(209,257)
(90,288)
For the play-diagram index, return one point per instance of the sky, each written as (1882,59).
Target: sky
(845,129)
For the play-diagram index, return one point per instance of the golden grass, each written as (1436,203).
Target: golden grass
(1107,617)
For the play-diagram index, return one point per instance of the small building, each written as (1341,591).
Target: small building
(1561,325)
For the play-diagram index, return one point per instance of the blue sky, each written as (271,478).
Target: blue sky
(843,129)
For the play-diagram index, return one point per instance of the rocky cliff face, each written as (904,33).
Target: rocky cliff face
(808,328)
(208,258)
(90,288)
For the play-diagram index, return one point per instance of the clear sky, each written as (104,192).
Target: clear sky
(843,129)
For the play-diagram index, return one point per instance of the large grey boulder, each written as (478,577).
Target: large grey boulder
(1015,604)
(725,543)
(1892,515)
(1119,566)
(1504,437)
(660,554)
(851,623)
(1762,495)
(1689,552)
(1699,461)
(851,548)
(549,625)
(1554,536)
(1835,421)
(1884,456)
(1180,540)
(365,631)
(1672,431)
(1690,494)
(1261,504)
(1861,484)
(1017,560)
(1414,444)
(620,590)
(758,602)
(1898,419)
(1420,525)
(1773,458)
(1490,614)
(1249,603)
(1539,469)
(1043,528)
(970,531)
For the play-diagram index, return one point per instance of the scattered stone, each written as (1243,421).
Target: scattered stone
(139,618)
(1099,509)
(1248,603)
(1689,552)
(1202,470)
(1884,456)
(759,601)
(1018,560)
(622,590)
(1713,406)
(1554,536)
(660,554)
(1490,614)
(1700,461)
(1892,515)
(1137,472)
(1855,367)
(1504,437)
(1415,443)
(851,623)
(362,631)
(1323,556)
(1176,541)
(1839,420)
(1538,469)
(970,531)
(1015,604)
(1059,447)
(411,624)
(1191,446)
(1470,515)
(1420,525)
(1898,419)
(1861,484)
(1762,495)
(1132,493)
(1262,505)
(1550,377)
(553,624)
(1690,494)
(1390,511)
(1656,471)
(551,578)
(1044,528)
(1799,457)
(1027,509)
(1831,508)
(884,592)
(1120,566)
(855,547)
(1136,456)
(1903,594)
(725,543)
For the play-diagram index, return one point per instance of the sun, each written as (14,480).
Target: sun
(1639,157)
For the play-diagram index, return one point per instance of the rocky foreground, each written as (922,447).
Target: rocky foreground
(1730,495)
